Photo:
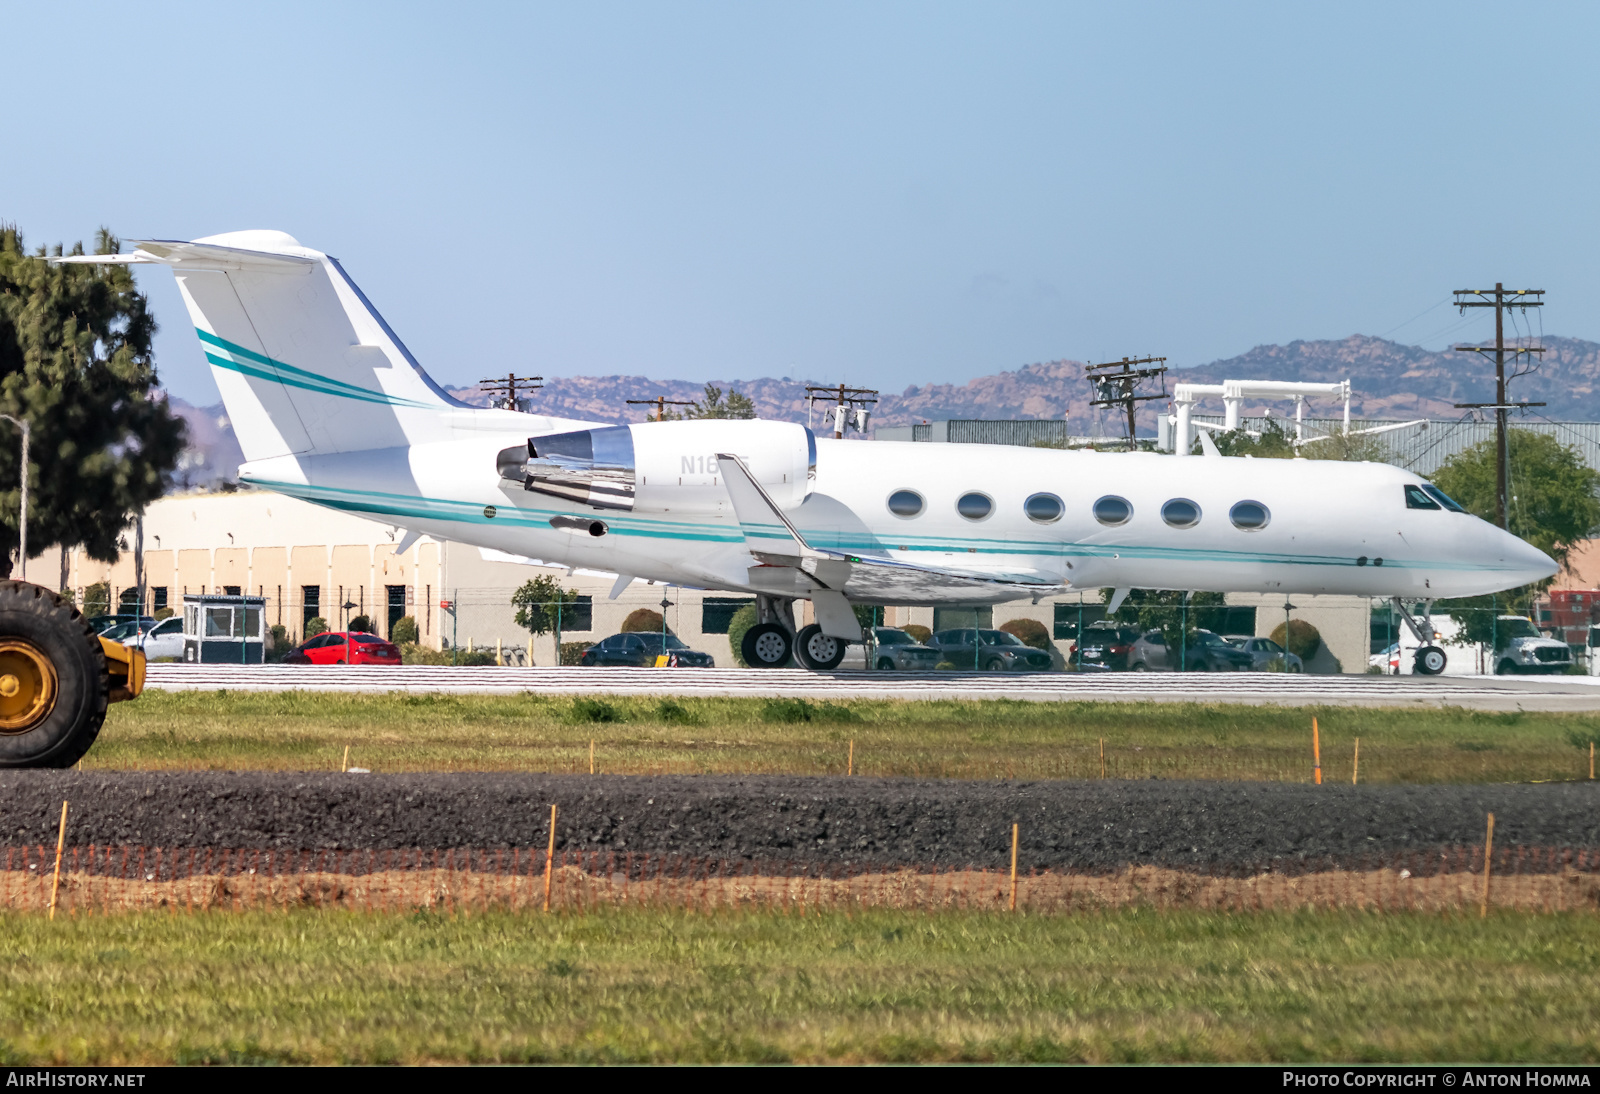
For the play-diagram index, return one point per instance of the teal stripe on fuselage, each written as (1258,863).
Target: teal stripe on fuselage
(403,506)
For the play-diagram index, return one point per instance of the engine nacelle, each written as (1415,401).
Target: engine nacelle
(665,467)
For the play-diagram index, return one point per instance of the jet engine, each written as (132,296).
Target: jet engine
(664,467)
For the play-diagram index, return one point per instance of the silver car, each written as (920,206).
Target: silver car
(1265,654)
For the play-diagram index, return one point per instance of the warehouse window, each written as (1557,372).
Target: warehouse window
(1067,616)
(716,612)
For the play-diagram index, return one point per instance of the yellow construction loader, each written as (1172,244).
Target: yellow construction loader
(56,678)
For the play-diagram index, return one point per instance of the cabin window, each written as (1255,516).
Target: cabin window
(1251,516)
(905,503)
(1442,498)
(1416,499)
(1181,513)
(1043,508)
(1112,510)
(974,506)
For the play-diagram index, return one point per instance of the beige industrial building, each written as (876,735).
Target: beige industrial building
(310,562)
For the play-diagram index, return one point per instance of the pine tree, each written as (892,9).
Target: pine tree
(76,363)
(712,406)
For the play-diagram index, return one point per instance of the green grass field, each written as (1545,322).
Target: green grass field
(979,739)
(664,986)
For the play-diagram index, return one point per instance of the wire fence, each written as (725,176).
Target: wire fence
(107,880)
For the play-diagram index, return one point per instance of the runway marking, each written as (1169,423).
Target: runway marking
(1550,693)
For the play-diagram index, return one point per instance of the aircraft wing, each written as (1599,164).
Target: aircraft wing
(774,539)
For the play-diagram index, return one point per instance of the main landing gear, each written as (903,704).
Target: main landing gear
(1429,659)
(769,645)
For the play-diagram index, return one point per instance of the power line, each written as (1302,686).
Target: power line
(660,402)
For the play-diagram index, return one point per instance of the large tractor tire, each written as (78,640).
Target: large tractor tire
(56,678)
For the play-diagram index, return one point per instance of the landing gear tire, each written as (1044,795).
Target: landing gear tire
(1505,668)
(1139,666)
(885,665)
(766,646)
(1430,661)
(996,665)
(818,651)
(53,679)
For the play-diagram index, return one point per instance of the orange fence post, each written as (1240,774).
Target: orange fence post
(1488,850)
(61,841)
(850,765)
(591,755)
(549,858)
(1356,767)
(1102,757)
(1014,867)
(1316,752)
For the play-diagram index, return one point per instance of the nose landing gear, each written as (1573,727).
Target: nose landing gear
(1429,660)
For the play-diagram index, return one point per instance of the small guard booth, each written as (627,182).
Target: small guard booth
(224,630)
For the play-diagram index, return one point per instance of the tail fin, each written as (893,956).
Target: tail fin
(304,362)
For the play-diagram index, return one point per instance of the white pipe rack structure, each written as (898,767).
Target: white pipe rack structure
(1235,392)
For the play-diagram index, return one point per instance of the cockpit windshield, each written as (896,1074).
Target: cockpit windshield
(1442,498)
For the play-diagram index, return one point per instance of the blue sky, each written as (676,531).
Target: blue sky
(889,194)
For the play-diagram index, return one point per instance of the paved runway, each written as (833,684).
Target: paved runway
(1480,693)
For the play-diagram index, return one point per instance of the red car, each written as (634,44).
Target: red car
(344,648)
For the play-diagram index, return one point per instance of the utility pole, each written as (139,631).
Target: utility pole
(850,403)
(1500,298)
(506,387)
(660,402)
(1116,383)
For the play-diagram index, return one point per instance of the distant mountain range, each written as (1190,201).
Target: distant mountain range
(1390,380)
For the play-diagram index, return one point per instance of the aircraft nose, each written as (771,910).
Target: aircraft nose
(1525,561)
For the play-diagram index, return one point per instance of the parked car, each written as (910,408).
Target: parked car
(640,649)
(165,639)
(1104,645)
(99,624)
(1207,652)
(895,649)
(132,628)
(1265,654)
(994,651)
(344,648)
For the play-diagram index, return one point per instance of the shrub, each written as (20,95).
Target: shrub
(1030,632)
(918,631)
(594,710)
(362,624)
(164,613)
(675,713)
(945,666)
(280,638)
(789,711)
(316,625)
(642,619)
(413,654)
(572,652)
(403,631)
(1304,640)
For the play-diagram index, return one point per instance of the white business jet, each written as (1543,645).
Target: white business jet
(329,406)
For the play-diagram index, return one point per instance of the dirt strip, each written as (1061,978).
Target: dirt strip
(1096,825)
